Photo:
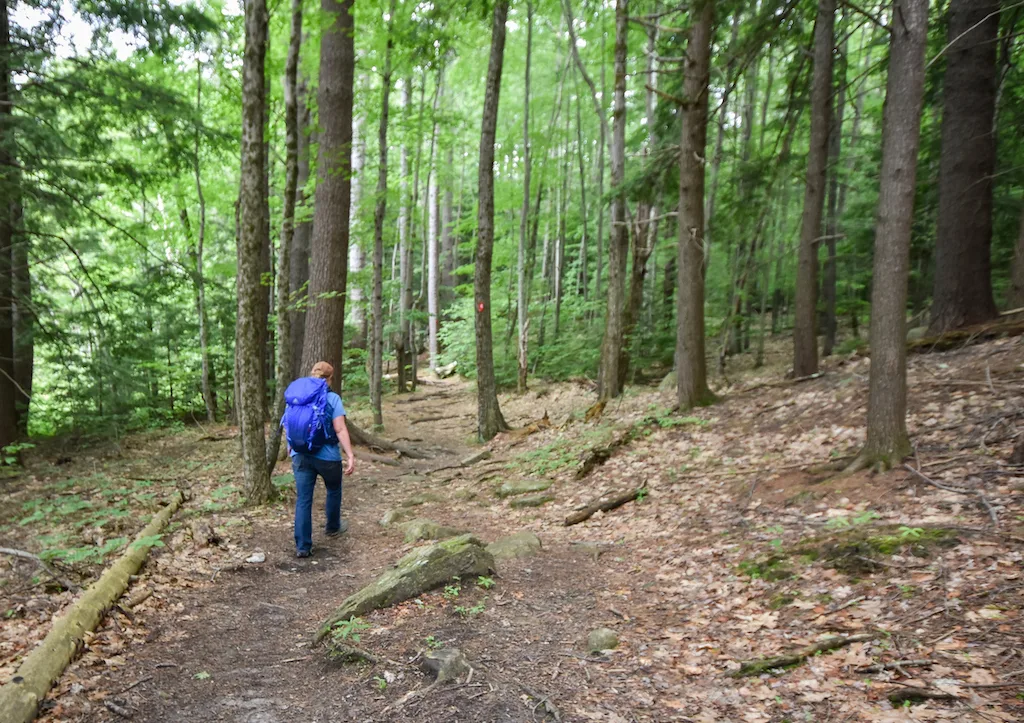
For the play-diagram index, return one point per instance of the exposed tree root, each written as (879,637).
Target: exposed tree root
(20,698)
(982,500)
(604,504)
(958,338)
(763,665)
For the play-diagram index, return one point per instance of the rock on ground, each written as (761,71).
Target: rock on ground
(602,639)
(478,457)
(423,529)
(394,517)
(533,500)
(423,569)
(521,487)
(521,544)
(446,664)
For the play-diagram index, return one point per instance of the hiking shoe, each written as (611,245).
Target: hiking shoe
(342,529)
(303,553)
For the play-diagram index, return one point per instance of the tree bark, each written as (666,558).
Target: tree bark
(449,262)
(1015,297)
(582,280)
(405,213)
(489,418)
(299,261)
(962,294)
(524,218)
(805,337)
(8,184)
(325,319)
(828,287)
(887,440)
(433,236)
(355,250)
(291,183)
(23,318)
(610,381)
(380,210)
(252,207)
(691,366)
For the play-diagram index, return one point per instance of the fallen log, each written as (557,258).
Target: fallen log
(20,699)
(763,665)
(604,504)
(957,338)
(371,441)
(911,695)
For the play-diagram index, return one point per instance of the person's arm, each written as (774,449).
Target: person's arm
(341,429)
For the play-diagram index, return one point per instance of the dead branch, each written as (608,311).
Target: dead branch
(371,441)
(117,709)
(605,504)
(381,460)
(763,665)
(903,695)
(982,500)
(67,584)
(894,665)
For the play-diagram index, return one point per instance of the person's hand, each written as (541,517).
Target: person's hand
(350,465)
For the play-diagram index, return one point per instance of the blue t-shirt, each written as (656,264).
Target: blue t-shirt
(330,452)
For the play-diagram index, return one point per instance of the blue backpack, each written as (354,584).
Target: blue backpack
(306,421)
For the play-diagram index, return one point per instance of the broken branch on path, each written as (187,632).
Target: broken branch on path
(894,665)
(371,441)
(982,500)
(911,694)
(763,665)
(605,504)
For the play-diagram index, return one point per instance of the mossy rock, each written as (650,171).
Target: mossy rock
(396,516)
(532,500)
(855,551)
(521,544)
(772,568)
(422,529)
(422,498)
(522,487)
(413,478)
(668,384)
(465,494)
(602,639)
(420,571)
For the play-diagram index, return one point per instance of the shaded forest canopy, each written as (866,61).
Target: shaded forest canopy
(128,252)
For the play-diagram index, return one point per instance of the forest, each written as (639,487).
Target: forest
(199,199)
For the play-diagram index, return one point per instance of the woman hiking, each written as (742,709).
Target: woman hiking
(314,425)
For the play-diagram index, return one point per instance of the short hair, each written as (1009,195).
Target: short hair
(322,370)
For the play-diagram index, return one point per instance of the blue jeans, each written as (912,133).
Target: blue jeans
(306,469)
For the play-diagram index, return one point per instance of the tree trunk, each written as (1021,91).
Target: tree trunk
(299,255)
(266,267)
(9,396)
(805,337)
(1015,296)
(610,381)
(433,234)
(291,184)
(887,440)
(380,210)
(325,319)
(449,262)
(582,280)
(23,317)
(524,220)
(561,205)
(405,213)
(355,250)
(828,290)
(489,418)
(252,207)
(962,294)
(691,366)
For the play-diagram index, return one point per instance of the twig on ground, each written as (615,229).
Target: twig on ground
(136,684)
(893,665)
(848,604)
(763,665)
(543,700)
(42,565)
(959,490)
(604,504)
(117,709)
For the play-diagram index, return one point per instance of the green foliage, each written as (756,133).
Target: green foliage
(433,643)
(344,630)
(485,582)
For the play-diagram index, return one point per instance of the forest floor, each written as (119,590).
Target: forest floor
(747,543)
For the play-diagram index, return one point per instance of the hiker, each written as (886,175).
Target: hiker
(314,424)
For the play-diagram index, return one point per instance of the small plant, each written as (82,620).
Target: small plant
(381,683)
(202,675)
(910,533)
(452,591)
(345,629)
(10,454)
(641,495)
(432,642)
(470,612)
(485,582)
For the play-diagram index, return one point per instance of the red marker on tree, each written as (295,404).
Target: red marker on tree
(480,306)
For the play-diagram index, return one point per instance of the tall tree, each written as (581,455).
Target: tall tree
(291,185)
(357,310)
(8,390)
(252,207)
(835,138)
(805,337)
(524,216)
(325,319)
(299,254)
(433,234)
(405,212)
(1015,294)
(380,210)
(962,293)
(489,418)
(691,366)
(887,440)
(610,381)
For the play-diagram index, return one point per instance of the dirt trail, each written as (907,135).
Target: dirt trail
(745,546)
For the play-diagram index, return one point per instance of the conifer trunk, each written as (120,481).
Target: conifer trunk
(489,418)
(805,337)
(962,294)
(887,440)
(691,366)
(828,287)
(8,391)
(252,207)
(325,319)
(299,255)
(524,218)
